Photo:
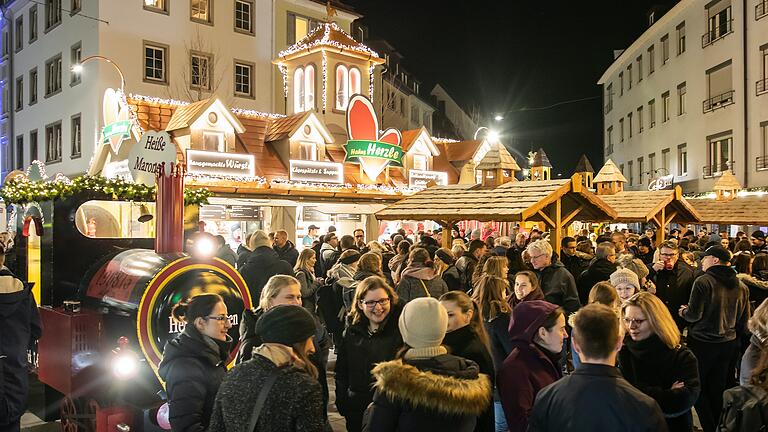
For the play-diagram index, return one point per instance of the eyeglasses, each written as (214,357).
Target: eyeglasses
(359,236)
(370,304)
(533,257)
(629,322)
(219,318)
(668,255)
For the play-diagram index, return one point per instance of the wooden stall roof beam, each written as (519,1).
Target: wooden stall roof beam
(748,210)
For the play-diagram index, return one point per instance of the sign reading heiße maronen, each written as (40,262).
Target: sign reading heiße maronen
(147,157)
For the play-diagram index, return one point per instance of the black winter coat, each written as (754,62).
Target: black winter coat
(452,278)
(20,327)
(287,253)
(262,264)
(465,343)
(595,397)
(559,287)
(653,367)
(193,367)
(576,263)
(358,352)
(444,393)
(294,403)
(498,334)
(718,309)
(673,287)
(600,270)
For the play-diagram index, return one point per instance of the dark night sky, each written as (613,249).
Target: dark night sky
(505,55)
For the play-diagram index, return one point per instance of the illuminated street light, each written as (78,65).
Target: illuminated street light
(492,136)
(78,68)
(498,117)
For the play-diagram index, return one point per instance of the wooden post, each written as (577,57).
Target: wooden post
(555,215)
(447,234)
(660,231)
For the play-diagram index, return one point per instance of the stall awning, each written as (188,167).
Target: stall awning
(652,206)
(748,210)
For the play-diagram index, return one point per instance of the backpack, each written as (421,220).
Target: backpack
(745,409)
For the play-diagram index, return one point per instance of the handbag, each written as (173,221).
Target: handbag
(262,398)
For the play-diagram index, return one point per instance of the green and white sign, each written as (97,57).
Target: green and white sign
(120,128)
(367,149)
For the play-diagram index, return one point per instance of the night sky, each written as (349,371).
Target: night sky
(506,56)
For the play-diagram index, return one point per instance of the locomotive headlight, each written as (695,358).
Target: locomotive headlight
(125,365)
(204,247)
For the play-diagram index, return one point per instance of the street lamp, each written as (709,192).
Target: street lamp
(78,68)
(491,134)
(498,117)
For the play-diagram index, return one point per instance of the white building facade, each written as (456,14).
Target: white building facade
(689,97)
(182,49)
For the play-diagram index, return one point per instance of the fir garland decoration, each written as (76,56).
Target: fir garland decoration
(24,191)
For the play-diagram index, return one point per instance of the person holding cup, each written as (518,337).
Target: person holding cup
(673,280)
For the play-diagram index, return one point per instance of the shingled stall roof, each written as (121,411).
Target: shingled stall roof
(747,210)
(556,203)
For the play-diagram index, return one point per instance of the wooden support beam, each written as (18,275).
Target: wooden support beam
(568,218)
(662,224)
(671,216)
(447,233)
(558,225)
(546,218)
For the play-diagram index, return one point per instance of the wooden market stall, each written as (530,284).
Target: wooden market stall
(727,207)
(555,203)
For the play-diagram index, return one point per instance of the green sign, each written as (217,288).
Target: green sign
(121,128)
(361,149)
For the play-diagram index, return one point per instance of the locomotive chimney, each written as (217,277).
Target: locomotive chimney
(170,210)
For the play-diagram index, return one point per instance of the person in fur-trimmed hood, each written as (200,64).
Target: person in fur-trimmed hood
(426,388)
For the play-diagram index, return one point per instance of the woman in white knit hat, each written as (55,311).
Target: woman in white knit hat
(626,283)
(426,388)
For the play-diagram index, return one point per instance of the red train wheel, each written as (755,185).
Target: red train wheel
(69,415)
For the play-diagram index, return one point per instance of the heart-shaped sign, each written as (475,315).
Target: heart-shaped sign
(369,147)
(117,125)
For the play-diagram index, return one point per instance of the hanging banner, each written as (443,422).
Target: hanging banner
(374,150)
(121,129)
(357,149)
(420,179)
(147,157)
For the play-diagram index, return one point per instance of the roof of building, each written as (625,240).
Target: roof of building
(185,115)
(748,210)
(461,150)
(609,173)
(409,137)
(498,157)
(727,182)
(328,35)
(283,127)
(583,165)
(540,159)
(646,206)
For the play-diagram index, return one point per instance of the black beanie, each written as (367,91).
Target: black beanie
(285,324)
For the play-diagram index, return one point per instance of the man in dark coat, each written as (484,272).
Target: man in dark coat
(599,270)
(556,282)
(20,324)
(717,313)
(467,262)
(595,397)
(262,264)
(285,248)
(673,280)
(224,251)
(645,250)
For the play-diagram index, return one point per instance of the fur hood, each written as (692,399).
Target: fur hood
(446,394)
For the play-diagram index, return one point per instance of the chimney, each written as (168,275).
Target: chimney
(170,210)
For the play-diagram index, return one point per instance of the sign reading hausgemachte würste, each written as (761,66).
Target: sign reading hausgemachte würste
(420,179)
(220,164)
(317,172)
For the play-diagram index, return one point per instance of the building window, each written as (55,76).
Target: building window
(33,145)
(640,119)
(621,130)
(609,140)
(33,86)
(19,93)
(304,88)
(77,6)
(651,59)
(761,9)
(53,143)
(154,63)
(308,150)
(681,38)
(6,100)
(299,27)
(77,136)
(348,84)
(32,23)
(652,165)
(156,5)
(719,154)
(609,98)
(681,106)
(629,124)
(420,162)
(621,168)
(414,114)
(665,161)
(6,44)
(762,83)
(244,16)
(719,23)
(19,35)
(426,120)
(402,106)
(621,83)
(19,152)
(629,77)
(639,68)
(682,160)
(630,171)
(201,11)
(53,76)
(640,171)
(762,160)
(243,79)
(76,54)
(664,49)
(200,71)
(52,14)
(214,141)
(665,107)
(719,87)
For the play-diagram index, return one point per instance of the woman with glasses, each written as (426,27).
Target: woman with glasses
(195,362)
(653,360)
(372,337)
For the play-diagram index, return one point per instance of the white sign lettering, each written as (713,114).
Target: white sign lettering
(420,179)
(222,164)
(178,327)
(661,183)
(314,171)
(147,157)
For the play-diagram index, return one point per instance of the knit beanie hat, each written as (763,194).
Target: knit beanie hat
(625,276)
(444,256)
(423,323)
(760,235)
(285,324)
(259,239)
(628,261)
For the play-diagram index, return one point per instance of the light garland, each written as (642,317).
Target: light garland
(754,191)
(40,168)
(370,81)
(439,140)
(325,79)
(157,100)
(284,72)
(305,45)
(242,179)
(254,113)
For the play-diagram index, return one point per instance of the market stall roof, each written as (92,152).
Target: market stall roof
(513,201)
(583,165)
(609,173)
(498,157)
(745,210)
(660,207)
(540,159)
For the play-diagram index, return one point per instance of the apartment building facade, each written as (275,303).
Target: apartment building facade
(688,98)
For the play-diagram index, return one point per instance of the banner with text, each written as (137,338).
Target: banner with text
(220,164)
(367,149)
(319,172)
(420,179)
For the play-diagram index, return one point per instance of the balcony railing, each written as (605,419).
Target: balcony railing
(761,86)
(716,170)
(761,9)
(716,33)
(761,163)
(718,101)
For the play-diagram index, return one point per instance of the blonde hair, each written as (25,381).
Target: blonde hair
(494,266)
(658,317)
(302,263)
(758,324)
(272,289)
(604,293)
(371,283)
(375,247)
(465,303)
(490,293)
